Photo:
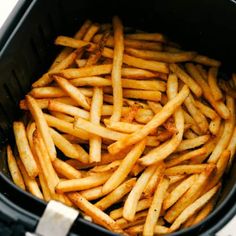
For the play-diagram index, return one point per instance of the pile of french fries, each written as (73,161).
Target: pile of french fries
(130,129)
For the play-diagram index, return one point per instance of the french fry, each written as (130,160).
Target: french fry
(186,169)
(24,150)
(14,170)
(156,121)
(188,118)
(65,169)
(190,196)
(71,42)
(91,81)
(206,61)
(177,192)
(96,214)
(116,195)
(219,106)
(93,29)
(125,167)
(131,202)
(232,148)
(108,167)
(44,187)
(147,36)
(92,193)
(161,56)
(142,205)
(155,208)
(212,81)
(176,178)
(227,133)
(154,106)
(73,92)
(202,71)
(158,229)
(62,116)
(82,183)
(195,88)
(206,110)
(193,143)
(190,210)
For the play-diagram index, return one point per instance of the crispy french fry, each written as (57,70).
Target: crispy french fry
(125,167)
(24,150)
(131,202)
(93,29)
(116,195)
(92,193)
(14,170)
(232,148)
(30,182)
(109,167)
(155,208)
(214,125)
(156,121)
(212,81)
(202,71)
(147,36)
(206,61)
(186,169)
(206,110)
(158,229)
(96,214)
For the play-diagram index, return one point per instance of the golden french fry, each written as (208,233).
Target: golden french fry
(44,187)
(147,36)
(212,81)
(82,183)
(156,121)
(131,202)
(14,170)
(71,42)
(206,110)
(155,208)
(24,150)
(125,167)
(97,215)
(93,29)
(62,116)
(214,125)
(109,167)
(206,61)
(161,56)
(92,193)
(116,195)
(191,209)
(232,148)
(158,229)
(186,169)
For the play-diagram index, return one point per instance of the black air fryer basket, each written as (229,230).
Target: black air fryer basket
(26,50)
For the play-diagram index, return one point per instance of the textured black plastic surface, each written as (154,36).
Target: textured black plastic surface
(204,26)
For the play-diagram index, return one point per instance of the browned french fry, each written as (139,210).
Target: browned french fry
(116,195)
(24,150)
(96,214)
(190,196)
(93,29)
(131,202)
(147,36)
(82,183)
(65,169)
(206,61)
(212,81)
(126,165)
(232,147)
(30,182)
(161,56)
(191,209)
(14,170)
(71,42)
(202,71)
(155,208)
(196,89)
(156,121)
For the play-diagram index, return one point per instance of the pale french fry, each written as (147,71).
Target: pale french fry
(24,150)
(206,61)
(212,81)
(64,145)
(116,195)
(82,183)
(41,125)
(142,205)
(186,156)
(30,182)
(92,193)
(125,167)
(161,56)
(193,143)
(177,192)
(147,36)
(155,208)
(186,169)
(156,121)
(116,68)
(193,208)
(67,109)
(196,89)
(131,202)
(227,133)
(14,170)
(65,127)
(65,169)
(190,196)
(219,106)
(96,214)
(73,92)
(206,110)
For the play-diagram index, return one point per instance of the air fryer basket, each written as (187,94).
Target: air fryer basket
(205,26)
